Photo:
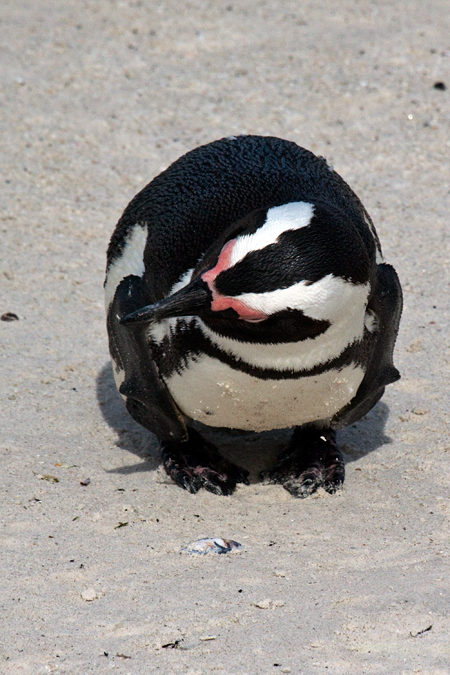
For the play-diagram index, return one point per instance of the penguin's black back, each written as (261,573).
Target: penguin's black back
(191,203)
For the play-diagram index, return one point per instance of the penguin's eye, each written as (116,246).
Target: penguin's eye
(248,320)
(228,314)
(234,315)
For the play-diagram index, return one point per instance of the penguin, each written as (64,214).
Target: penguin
(245,288)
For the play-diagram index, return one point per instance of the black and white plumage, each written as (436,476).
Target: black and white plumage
(245,288)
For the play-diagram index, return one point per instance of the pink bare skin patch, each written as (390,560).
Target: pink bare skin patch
(222,302)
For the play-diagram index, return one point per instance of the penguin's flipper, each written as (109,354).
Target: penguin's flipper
(386,304)
(195,463)
(311,460)
(147,398)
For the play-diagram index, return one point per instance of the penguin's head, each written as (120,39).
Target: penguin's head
(278,275)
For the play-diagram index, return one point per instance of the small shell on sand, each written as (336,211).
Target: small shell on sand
(215,545)
(89,594)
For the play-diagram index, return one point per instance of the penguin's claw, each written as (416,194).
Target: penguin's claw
(312,460)
(196,464)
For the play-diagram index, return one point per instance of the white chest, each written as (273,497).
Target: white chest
(215,394)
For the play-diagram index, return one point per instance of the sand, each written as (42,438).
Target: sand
(98,97)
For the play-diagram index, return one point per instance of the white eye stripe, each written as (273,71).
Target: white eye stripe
(326,299)
(279,219)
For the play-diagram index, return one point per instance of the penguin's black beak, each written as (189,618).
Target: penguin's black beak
(188,301)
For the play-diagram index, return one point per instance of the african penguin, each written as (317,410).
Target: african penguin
(245,288)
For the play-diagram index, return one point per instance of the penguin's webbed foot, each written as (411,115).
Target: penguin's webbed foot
(311,460)
(195,464)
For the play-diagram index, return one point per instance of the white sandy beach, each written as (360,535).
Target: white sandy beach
(97,97)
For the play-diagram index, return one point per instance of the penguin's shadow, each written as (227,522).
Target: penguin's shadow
(254,452)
